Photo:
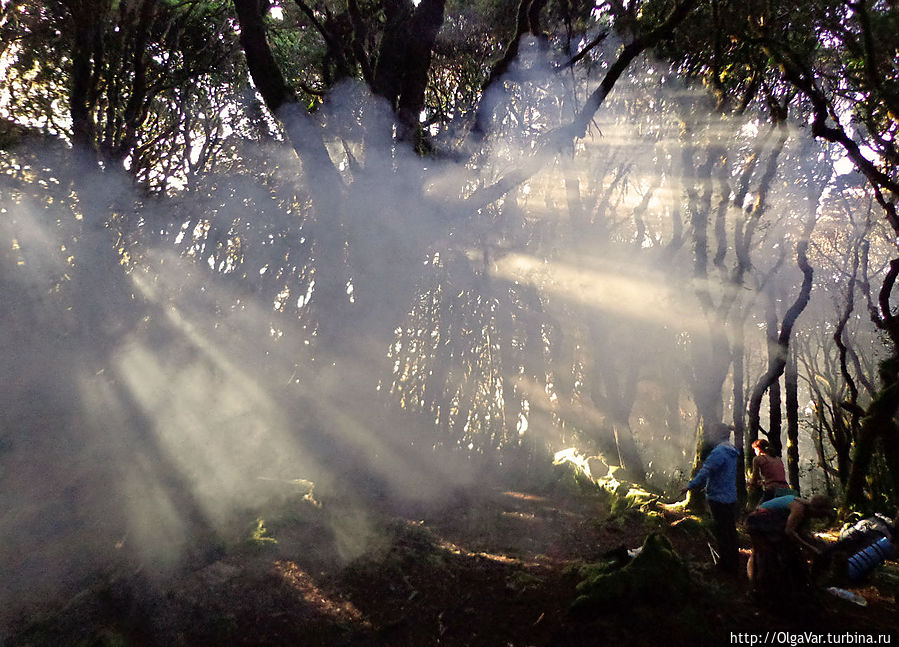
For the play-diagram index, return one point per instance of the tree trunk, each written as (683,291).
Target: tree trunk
(491,86)
(306,140)
(739,410)
(879,420)
(419,38)
(822,458)
(775,413)
(776,368)
(791,384)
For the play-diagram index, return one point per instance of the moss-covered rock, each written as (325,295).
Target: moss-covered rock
(632,498)
(655,574)
(693,527)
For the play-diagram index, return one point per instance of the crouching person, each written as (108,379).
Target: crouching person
(780,536)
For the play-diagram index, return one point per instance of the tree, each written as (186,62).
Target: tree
(832,63)
(419,263)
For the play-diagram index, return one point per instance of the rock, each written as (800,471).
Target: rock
(655,574)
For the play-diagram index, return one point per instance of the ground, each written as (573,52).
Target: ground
(497,568)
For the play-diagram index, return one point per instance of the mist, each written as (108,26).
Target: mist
(434,325)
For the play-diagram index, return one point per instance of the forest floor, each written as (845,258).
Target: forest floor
(494,569)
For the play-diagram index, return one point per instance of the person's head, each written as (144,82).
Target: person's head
(719,433)
(820,505)
(761,446)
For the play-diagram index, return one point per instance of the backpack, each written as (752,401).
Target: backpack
(862,534)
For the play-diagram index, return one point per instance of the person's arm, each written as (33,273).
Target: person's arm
(794,526)
(756,479)
(709,465)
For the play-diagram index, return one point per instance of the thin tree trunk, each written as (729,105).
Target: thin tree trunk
(739,411)
(822,458)
(775,413)
(791,384)
(776,368)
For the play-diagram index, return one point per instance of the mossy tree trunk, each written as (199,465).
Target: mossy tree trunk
(877,423)
(879,420)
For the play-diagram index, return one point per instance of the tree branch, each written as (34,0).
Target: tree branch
(586,50)
(803,80)
(628,54)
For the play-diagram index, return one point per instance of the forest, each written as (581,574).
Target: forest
(270,268)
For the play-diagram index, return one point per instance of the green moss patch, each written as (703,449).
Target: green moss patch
(655,575)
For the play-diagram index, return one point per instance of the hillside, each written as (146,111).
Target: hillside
(497,569)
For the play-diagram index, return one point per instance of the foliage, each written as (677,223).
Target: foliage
(183,117)
(694,527)
(155,70)
(259,537)
(421,321)
(655,575)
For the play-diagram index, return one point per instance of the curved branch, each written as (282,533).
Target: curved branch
(628,54)
(556,139)
(500,67)
(279,98)
(890,323)
(586,50)
(803,80)
(841,327)
(778,364)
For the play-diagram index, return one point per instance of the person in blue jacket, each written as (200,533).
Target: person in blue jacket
(718,475)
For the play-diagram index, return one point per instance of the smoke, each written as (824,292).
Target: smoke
(164,369)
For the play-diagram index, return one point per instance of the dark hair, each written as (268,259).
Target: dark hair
(719,433)
(762,445)
(821,505)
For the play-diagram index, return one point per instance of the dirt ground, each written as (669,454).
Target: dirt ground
(495,569)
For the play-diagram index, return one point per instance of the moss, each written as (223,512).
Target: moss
(589,572)
(692,527)
(259,538)
(656,574)
(627,498)
(522,580)
(569,478)
(574,567)
(613,486)
(653,520)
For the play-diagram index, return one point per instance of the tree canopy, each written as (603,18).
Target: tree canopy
(411,246)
